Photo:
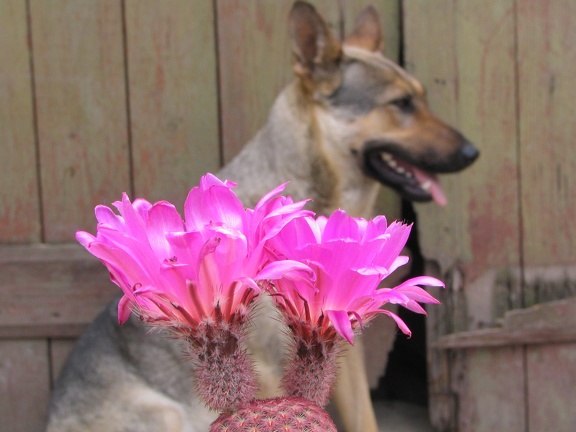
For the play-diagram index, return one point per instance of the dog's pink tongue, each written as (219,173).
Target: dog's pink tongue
(435,189)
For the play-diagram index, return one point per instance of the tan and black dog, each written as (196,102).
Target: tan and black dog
(350,121)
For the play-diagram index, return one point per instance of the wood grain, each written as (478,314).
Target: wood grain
(492,391)
(81,106)
(24,385)
(547,88)
(552,387)
(484,94)
(463,53)
(50,291)
(254,65)
(59,350)
(19,200)
(545,323)
(173,96)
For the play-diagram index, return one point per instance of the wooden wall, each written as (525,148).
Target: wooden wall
(101,97)
(144,96)
(505,73)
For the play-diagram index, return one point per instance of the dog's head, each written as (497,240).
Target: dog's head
(372,109)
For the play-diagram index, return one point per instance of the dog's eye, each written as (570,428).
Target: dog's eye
(404,104)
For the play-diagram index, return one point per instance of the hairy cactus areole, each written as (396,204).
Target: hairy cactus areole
(287,414)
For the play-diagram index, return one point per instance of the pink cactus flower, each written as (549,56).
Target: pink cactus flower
(178,273)
(350,257)
(198,277)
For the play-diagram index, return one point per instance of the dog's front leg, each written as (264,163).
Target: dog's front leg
(352,393)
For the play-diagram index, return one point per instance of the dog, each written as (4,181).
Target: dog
(349,121)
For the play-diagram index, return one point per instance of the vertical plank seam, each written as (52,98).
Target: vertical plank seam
(517,110)
(454,420)
(521,262)
(401,52)
(218,82)
(40,196)
(127,98)
(455,62)
(50,354)
(341,20)
(526,388)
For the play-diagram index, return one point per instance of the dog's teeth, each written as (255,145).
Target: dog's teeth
(400,170)
(387,157)
(426,185)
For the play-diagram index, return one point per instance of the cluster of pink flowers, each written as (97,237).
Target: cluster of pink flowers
(349,258)
(200,276)
(179,273)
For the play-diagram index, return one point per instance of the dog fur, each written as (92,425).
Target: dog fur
(350,120)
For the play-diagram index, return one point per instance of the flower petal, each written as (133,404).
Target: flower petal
(84,238)
(213,202)
(341,323)
(287,269)
(124,309)
(399,322)
(162,219)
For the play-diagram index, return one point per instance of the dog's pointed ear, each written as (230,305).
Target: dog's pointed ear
(317,53)
(367,33)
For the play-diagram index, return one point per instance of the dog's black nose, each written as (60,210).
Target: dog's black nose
(469,153)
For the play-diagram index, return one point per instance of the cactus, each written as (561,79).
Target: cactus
(311,370)
(201,276)
(277,414)
(224,372)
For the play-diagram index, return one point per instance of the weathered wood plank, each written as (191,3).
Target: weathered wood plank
(24,385)
(492,391)
(480,74)
(498,337)
(81,109)
(254,65)
(546,323)
(19,200)
(59,350)
(552,387)
(487,98)
(50,290)
(173,96)
(430,54)
(547,90)
(551,315)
